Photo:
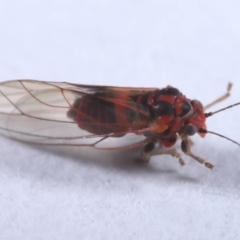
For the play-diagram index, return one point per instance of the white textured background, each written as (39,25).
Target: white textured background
(193,45)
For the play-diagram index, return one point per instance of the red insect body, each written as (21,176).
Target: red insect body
(80,115)
(99,114)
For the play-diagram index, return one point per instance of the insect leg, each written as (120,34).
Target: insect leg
(220,99)
(186,148)
(191,142)
(149,151)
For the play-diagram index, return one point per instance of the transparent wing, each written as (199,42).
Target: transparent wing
(37,112)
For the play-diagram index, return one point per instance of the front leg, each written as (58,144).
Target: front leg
(186,148)
(149,150)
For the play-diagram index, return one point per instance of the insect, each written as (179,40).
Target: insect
(103,117)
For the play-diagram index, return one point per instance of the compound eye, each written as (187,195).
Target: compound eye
(190,129)
(197,102)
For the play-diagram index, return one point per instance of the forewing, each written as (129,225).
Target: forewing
(36,112)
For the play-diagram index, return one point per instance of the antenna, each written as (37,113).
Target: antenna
(201,130)
(220,110)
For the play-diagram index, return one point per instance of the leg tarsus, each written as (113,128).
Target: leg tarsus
(181,162)
(208,165)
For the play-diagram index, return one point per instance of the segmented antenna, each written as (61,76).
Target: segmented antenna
(211,114)
(220,110)
(229,139)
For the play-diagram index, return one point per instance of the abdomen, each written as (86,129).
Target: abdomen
(108,113)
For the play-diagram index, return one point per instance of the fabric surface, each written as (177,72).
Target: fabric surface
(71,193)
